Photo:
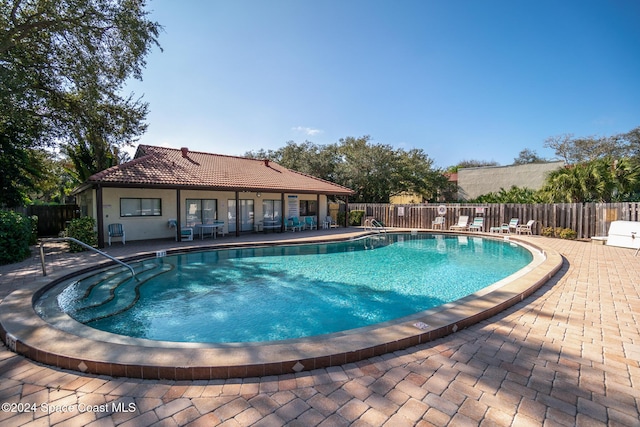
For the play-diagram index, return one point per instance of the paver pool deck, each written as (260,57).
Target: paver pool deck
(568,355)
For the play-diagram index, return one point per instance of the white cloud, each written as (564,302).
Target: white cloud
(306,130)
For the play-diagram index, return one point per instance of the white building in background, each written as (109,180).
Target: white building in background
(474,182)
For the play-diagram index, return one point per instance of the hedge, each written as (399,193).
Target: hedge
(16,232)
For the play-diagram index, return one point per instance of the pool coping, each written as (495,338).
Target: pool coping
(26,333)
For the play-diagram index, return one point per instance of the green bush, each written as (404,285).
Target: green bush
(34,230)
(567,233)
(355,217)
(82,229)
(547,232)
(340,218)
(15,235)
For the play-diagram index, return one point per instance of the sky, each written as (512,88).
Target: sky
(459,79)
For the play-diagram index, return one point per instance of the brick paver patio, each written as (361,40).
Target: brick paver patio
(568,355)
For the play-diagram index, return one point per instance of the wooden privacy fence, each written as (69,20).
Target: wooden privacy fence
(586,219)
(51,218)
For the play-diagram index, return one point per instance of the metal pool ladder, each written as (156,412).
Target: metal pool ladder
(83,244)
(373,224)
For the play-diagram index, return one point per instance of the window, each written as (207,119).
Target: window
(272,209)
(201,211)
(308,207)
(140,207)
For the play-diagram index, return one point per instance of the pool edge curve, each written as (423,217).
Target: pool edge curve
(27,334)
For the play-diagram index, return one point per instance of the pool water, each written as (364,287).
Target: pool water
(284,292)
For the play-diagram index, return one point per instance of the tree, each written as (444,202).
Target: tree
(513,195)
(374,171)
(307,157)
(632,139)
(528,156)
(20,166)
(417,175)
(56,181)
(366,169)
(580,150)
(474,164)
(62,67)
(600,180)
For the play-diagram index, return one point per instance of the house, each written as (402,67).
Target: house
(163,190)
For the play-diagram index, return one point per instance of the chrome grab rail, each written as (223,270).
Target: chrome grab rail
(373,224)
(71,239)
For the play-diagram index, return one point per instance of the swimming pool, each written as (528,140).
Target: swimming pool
(284,292)
(61,341)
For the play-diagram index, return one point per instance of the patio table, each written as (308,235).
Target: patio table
(271,225)
(210,227)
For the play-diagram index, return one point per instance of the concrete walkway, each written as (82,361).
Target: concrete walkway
(569,355)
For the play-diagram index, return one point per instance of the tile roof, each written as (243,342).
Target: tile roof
(168,167)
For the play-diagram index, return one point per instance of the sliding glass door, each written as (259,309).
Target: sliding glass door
(246,215)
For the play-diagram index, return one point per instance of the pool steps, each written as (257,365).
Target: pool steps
(112,294)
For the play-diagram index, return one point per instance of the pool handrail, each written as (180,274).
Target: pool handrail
(374,224)
(83,244)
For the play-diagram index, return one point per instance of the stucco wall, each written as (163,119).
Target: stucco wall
(474,182)
(139,227)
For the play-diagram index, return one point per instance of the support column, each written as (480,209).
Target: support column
(178,217)
(346,211)
(283,218)
(318,211)
(237,214)
(100,216)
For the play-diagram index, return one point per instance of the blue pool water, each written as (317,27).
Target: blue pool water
(283,292)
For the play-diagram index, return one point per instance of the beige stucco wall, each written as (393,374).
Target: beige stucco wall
(474,182)
(156,227)
(139,227)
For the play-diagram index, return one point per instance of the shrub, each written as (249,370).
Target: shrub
(567,233)
(547,232)
(563,233)
(34,230)
(340,218)
(355,217)
(82,229)
(15,235)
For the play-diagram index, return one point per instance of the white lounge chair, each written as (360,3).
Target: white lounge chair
(506,228)
(462,224)
(525,228)
(438,223)
(478,224)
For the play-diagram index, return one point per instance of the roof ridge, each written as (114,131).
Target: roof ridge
(207,154)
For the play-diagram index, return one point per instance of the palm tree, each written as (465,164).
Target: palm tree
(601,180)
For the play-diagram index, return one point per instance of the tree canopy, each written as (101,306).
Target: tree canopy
(374,171)
(601,180)
(585,149)
(528,156)
(63,65)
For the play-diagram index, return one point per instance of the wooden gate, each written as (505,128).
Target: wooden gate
(51,219)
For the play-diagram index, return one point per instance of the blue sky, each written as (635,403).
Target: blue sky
(460,79)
